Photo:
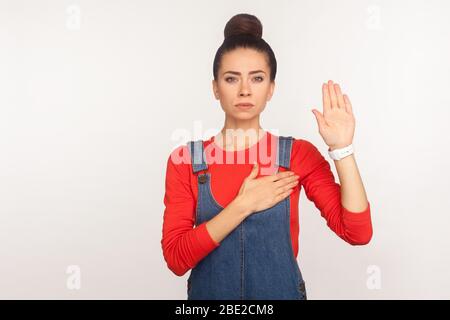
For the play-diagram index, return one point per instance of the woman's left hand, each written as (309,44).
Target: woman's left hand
(337,123)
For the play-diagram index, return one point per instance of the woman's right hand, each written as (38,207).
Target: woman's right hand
(264,192)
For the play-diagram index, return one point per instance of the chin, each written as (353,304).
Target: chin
(243,115)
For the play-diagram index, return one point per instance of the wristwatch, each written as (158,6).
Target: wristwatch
(338,154)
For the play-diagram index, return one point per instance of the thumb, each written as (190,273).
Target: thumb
(255,170)
(319,118)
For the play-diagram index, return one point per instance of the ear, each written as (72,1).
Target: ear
(271,90)
(215,89)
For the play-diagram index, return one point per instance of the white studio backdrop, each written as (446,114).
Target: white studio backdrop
(94,93)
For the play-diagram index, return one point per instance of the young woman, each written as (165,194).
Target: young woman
(231,202)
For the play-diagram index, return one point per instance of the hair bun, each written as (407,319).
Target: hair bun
(243,24)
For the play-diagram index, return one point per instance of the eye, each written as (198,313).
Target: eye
(260,79)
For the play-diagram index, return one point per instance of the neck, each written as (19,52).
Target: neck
(239,134)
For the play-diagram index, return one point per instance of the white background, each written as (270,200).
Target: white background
(92,94)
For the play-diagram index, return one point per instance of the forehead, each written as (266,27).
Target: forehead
(244,60)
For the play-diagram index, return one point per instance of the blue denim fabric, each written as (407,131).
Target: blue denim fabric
(256,260)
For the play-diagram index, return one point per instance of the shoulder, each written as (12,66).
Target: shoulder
(304,146)
(300,146)
(179,160)
(305,152)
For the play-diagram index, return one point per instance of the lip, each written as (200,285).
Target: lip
(244,105)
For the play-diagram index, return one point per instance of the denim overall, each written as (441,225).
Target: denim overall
(255,260)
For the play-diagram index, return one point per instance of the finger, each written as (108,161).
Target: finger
(283,195)
(348,105)
(280,175)
(340,98)
(286,187)
(286,181)
(333,97)
(254,173)
(326,98)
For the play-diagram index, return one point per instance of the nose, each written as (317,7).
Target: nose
(245,89)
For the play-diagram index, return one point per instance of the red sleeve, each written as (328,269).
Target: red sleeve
(183,245)
(320,187)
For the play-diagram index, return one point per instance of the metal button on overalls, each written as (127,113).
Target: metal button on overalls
(202,178)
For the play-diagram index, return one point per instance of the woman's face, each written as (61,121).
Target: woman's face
(243,77)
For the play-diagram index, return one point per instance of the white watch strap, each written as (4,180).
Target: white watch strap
(338,154)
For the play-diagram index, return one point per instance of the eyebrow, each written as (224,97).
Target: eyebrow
(238,73)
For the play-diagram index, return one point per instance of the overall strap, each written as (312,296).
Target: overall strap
(198,157)
(284,151)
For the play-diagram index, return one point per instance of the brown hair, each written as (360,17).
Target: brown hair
(244,31)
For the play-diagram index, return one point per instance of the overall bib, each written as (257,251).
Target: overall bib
(256,260)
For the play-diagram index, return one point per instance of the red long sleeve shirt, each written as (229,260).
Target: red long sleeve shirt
(184,245)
